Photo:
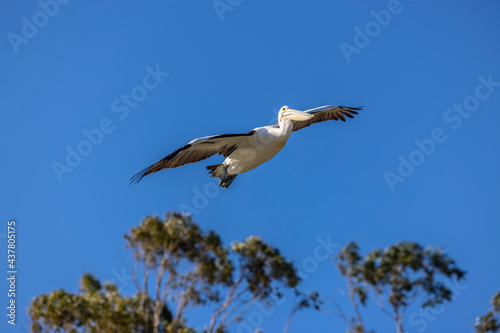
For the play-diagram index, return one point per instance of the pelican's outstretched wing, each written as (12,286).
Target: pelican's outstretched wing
(327,112)
(195,151)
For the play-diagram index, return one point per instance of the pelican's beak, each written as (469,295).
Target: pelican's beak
(297,115)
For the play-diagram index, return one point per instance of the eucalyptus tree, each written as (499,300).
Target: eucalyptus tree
(490,322)
(401,275)
(96,308)
(176,266)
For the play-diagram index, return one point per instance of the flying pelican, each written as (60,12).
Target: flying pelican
(244,152)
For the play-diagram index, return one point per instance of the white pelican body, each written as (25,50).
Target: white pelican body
(245,152)
(266,142)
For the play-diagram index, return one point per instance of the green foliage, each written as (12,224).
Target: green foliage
(176,265)
(400,273)
(177,249)
(262,264)
(193,267)
(259,273)
(157,243)
(490,322)
(95,309)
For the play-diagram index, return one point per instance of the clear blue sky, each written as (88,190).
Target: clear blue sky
(229,73)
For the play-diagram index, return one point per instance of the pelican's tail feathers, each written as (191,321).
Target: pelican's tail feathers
(216,170)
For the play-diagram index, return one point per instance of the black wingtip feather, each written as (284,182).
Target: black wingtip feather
(138,176)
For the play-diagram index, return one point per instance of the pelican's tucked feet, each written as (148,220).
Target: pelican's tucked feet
(226,181)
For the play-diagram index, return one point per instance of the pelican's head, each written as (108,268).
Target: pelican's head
(290,114)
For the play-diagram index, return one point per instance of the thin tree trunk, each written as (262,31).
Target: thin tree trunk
(359,327)
(223,306)
(144,298)
(159,301)
(399,323)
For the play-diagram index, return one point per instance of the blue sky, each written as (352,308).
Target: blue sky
(423,72)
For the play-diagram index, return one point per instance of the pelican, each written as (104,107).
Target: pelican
(245,152)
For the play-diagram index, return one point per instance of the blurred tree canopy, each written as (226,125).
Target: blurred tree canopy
(490,322)
(176,265)
(400,274)
(98,308)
